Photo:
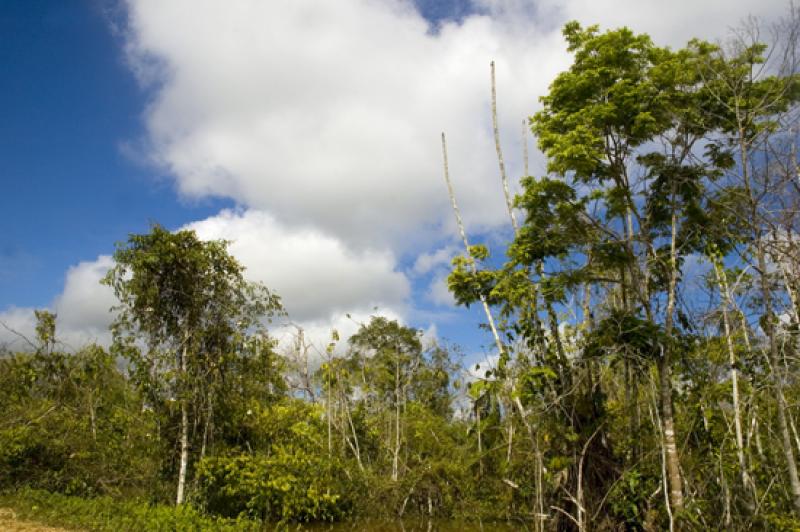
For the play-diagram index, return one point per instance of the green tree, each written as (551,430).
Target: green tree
(620,129)
(185,307)
(391,355)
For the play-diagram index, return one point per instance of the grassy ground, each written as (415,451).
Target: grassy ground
(28,510)
(10,522)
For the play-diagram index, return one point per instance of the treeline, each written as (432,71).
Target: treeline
(646,316)
(221,421)
(193,404)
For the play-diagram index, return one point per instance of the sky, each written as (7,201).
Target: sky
(306,132)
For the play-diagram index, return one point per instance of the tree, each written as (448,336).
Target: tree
(754,90)
(623,208)
(184,308)
(391,355)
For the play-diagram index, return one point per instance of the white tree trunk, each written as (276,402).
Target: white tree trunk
(184,436)
(737,411)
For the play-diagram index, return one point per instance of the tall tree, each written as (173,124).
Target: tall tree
(391,355)
(753,105)
(187,301)
(620,129)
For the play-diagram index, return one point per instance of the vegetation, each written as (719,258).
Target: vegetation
(106,513)
(646,314)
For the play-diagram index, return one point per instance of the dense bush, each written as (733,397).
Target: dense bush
(288,475)
(289,485)
(72,423)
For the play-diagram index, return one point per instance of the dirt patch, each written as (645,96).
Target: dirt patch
(10,523)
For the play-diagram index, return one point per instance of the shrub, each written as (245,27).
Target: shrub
(288,485)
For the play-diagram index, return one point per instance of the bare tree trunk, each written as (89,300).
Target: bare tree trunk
(207,425)
(329,409)
(777,380)
(480,443)
(500,348)
(657,422)
(766,295)
(524,149)
(500,161)
(92,417)
(665,373)
(539,485)
(579,502)
(355,447)
(737,412)
(184,430)
(514,224)
(395,461)
(306,377)
(668,428)
(510,438)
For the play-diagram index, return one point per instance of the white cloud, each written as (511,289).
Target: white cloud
(17,328)
(427,262)
(477,371)
(430,335)
(84,304)
(438,293)
(326,116)
(82,310)
(317,333)
(316,274)
(329,113)
(670,24)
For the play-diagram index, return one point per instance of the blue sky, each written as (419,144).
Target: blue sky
(69,106)
(306,133)
(72,122)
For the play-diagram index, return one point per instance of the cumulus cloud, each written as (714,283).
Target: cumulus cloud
(479,370)
(17,328)
(85,303)
(432,268)
(671,25)
(82,310)
(318,333)
(316,274)
(328,113)
(318,277)
(427,262)
(438,293)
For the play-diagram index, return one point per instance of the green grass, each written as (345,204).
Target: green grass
(105,513)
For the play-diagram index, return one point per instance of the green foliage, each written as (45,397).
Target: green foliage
(607,91)
(188,302)
(285,476)
(627,335)
(105,513)
(615,387)
(71,423)
(45,329)
(288,485)
(632,500)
